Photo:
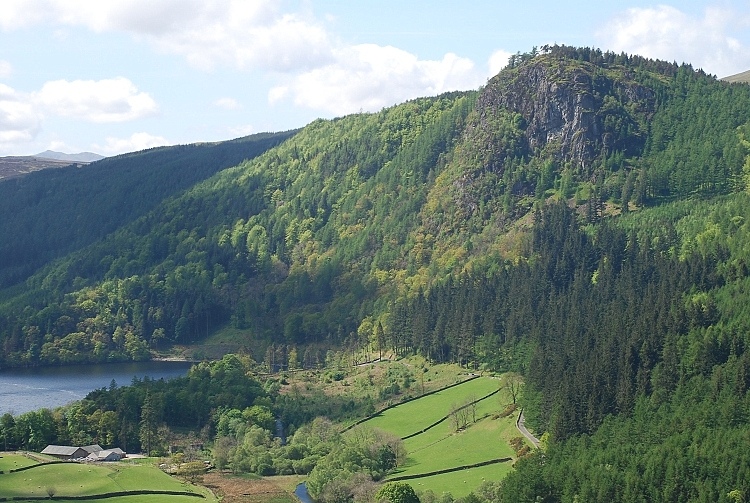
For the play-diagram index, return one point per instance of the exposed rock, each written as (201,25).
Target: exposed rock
(577,109)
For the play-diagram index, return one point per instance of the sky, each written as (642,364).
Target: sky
(118,76)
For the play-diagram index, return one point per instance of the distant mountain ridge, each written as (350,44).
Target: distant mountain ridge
(20,165)
(740,77)
(16,166)
(80,157)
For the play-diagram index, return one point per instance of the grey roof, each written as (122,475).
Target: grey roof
(92,448)
(106,455)
(61,450)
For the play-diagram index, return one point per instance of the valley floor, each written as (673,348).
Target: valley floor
(244,489)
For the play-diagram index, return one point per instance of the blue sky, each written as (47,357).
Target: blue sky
(122,75)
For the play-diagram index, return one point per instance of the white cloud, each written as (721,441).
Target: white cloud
(108,100)
(667,33)
(137,141)
(206,32)
(284,43)
(369,77)
(228,104)
(5,69)
(19,122)
(17,14)
(498,60)
(277,94)
(312,68)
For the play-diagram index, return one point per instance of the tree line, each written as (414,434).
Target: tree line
(144,415)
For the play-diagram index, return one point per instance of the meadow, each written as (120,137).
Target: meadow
(76,479)
(442,447)
(14,462)
(413,416)
(459,484)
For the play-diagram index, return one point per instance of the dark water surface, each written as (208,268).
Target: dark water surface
(22,390)
(302,494)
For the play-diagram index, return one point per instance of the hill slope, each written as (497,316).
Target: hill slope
(52,213)
(740,77)
(319,240)
(80,157)
(16,166)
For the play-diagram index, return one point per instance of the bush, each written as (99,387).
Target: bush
(304,466)
(397,492)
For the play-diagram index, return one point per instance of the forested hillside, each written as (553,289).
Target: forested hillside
(316,240)
(51,213)
(581,219)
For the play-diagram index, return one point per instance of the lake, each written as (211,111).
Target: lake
(23,390)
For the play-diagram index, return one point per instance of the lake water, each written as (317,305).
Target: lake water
(23,390)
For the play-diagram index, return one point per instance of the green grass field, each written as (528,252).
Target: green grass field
(76,479)
(441,447)
(460,483)
(138,498)
(10,461)
(413,416)
(483,441)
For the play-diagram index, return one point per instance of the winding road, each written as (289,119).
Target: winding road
(520,424)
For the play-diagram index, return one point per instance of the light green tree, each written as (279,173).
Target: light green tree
(396,492)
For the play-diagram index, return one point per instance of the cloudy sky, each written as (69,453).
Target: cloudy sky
(122,75)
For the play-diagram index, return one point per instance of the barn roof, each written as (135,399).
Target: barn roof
(60,450)
(92,448)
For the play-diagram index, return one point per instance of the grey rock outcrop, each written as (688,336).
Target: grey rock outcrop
(576,109)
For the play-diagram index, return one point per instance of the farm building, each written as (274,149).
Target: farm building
(92,449)
(90,452)
(65,451)
(106,455)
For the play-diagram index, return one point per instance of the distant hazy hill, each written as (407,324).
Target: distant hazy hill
(20,165)
(15,166)
(80,157)
(740,77)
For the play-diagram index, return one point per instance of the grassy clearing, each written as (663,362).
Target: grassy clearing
(444,449)
(13,461)
(287,482)
(413,416)
(460,483)
(441,447)
(488,407)
(370,377)
(139,498)
(76,479)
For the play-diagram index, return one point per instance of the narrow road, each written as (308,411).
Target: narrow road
(522,428)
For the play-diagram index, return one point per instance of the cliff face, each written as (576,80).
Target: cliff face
(578,111)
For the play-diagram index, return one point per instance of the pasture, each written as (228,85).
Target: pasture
(78,479)
(460,484)
(411,417)
(12,461)
(442,447)
(482,441)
